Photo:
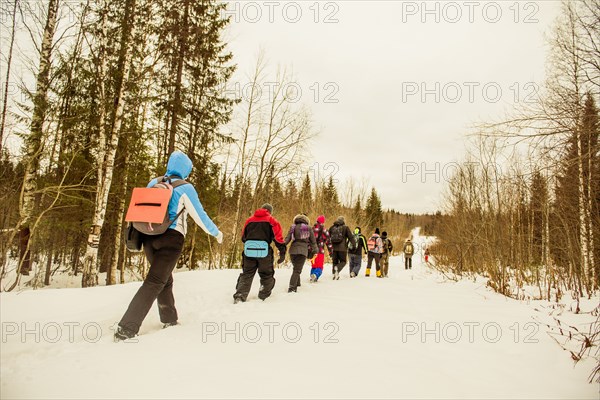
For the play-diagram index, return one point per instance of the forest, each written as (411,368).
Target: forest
(119,85)
(523,208)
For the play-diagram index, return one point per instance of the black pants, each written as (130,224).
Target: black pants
(250,265)
(408,262)
(298,261)
(373,256)
(339,260)
(162,252)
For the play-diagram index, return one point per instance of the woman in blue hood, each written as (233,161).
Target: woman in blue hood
(163,251)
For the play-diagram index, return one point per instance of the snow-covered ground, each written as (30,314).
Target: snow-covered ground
(413,335)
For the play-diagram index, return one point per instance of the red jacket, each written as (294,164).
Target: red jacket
(263,226)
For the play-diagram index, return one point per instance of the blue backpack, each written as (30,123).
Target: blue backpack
(256,248)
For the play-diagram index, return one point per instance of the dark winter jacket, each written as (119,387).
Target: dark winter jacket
(262,226)
(408,249)
(387,244)
(301,236)
(323,239)
(346,234)
(362,245)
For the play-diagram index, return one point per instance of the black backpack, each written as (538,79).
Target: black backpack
(337,234)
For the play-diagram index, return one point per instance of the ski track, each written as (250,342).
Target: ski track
(371,358)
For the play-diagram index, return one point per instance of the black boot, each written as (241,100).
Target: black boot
(124,334)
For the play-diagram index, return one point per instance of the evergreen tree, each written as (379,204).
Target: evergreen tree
(306,199)
(373,211)
(357,212)
(331,198)
(537,205)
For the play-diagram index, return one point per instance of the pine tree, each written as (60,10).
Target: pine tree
(373,211)
(306,199)
(537,206)
(291,192)
(357,212)
(331,198)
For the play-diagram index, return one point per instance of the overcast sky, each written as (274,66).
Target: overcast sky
(409,79)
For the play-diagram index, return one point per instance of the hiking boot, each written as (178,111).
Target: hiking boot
(313,278)
(352,274)
(168,324)
(336,274)
(238,300)
(123,334)
(368,273)
(292,290)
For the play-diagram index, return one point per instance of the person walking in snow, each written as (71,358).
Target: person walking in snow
(304,245)
(356,252)
(427,255)
(258,233)
(163,251)
(341,236)
(323,241)
(375,247)
(385,254)
(408,250)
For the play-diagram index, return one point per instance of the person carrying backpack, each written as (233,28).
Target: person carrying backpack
(408,250)
(258,233)
(356,252)
(163,250)
(340,237)
(385,254)
(323,241)
(375,247)
(304,245)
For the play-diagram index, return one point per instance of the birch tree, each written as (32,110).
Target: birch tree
(108,140)
(34,145)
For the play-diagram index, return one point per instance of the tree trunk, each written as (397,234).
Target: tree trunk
(48,269)
(177,101)
(108,147)
(33,144)
(6,82)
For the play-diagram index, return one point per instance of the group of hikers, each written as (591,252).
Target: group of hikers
(309,243)
(260,231)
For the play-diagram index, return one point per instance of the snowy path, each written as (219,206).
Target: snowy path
(352,338)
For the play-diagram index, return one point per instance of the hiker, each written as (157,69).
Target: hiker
(356,252)
(427,255)
(258,233)
(385,254)
(340,237)
(375,247)
(304,245)
(163,250)
(408,250)
(323,241)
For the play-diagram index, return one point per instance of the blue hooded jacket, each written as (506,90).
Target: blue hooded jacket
(185,197)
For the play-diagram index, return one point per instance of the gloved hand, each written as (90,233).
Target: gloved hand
(219,237)
(281,258)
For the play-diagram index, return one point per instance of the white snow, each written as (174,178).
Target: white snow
(377,338)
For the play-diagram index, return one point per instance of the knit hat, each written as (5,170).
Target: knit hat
(321,219)
(384,234)
(268,207)
(377,231)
